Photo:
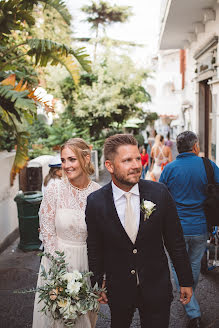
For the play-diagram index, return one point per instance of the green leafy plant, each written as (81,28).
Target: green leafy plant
(18,103)
(19,52)
(115,95)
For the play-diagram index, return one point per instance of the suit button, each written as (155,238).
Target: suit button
(135,251)
(133,272)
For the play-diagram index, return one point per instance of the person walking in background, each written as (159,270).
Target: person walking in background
(149,147)
(161,155)
(186,180)
(168,142)
(144,162)
(55,172)
(120,236)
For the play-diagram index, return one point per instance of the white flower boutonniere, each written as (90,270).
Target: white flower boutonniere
(147,208)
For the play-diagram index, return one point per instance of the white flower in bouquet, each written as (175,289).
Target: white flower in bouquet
(68,276)
(76,275)
(74,287)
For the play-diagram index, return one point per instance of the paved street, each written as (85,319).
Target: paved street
(18,270)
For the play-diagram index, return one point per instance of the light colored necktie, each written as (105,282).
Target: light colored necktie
(130,219)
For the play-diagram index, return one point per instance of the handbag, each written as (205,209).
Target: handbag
(211,203)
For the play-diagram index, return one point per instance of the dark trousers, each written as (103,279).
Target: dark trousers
(150,316)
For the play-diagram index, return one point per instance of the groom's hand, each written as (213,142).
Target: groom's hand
(103,299)
(185,295)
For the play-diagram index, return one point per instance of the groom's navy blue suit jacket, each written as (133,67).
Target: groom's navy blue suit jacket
(111,251)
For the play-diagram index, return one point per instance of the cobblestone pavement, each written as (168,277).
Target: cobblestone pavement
(207,295)
(18,270)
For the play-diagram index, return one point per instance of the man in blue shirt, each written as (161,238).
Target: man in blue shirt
(186,180)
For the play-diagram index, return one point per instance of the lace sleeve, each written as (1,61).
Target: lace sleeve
(47,214)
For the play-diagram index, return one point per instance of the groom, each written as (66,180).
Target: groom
(126,247)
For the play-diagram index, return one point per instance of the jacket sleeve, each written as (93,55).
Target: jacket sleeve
(174,241)
(94,243)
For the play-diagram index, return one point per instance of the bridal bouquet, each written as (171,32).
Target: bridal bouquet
(66,295)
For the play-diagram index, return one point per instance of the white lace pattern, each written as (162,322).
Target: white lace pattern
(62,196)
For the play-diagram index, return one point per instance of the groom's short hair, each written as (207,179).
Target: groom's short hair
(114,142)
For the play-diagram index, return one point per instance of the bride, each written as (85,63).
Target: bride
(62,221)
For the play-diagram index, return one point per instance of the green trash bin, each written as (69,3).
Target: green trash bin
(28,204)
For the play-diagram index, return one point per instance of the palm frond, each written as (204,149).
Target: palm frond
(82,58)
(47,51)
(70,64)
(21,156)
(17,102)
(61,8)
(12,13)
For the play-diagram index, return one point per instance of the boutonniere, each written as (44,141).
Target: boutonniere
(147,208)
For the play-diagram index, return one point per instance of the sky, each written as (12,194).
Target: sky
(142,27)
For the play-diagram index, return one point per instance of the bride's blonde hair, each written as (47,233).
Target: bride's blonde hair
(81,150)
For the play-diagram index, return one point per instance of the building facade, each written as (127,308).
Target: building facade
(194,26)
(165,88)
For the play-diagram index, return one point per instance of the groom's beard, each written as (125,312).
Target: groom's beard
(131,179)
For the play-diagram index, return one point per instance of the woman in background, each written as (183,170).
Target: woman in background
(55,172)
(161,155)
(144,162)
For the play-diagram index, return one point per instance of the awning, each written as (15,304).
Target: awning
(133,123)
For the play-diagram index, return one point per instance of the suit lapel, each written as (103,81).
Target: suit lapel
(145,194)
(112,213)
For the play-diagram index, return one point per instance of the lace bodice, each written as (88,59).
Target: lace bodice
(62,213)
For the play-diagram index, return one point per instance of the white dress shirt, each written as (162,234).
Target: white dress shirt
(120,202)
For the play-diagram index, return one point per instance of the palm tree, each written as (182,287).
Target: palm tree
(102,14)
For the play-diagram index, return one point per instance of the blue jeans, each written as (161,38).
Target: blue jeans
(195,246)
(144,171)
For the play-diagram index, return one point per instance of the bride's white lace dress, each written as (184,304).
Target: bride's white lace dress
(63,228)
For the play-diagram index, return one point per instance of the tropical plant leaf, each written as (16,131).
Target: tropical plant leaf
(10,80)
(70,64)
(13,13)
(21,156)
(60,7)
(47,51)
(18,101)
(82,58)
(22,97)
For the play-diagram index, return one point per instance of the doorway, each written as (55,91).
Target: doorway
(206,122)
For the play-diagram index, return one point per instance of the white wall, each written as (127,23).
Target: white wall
(191,87)
(8,208)
(165,84)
